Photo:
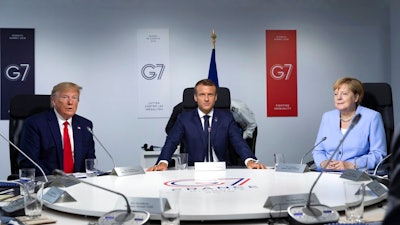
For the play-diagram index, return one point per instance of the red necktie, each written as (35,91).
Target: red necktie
(68,161)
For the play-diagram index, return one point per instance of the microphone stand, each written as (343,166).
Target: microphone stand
(122,217)
(314,213)
(26,156)
(119,171)
(108,153)
(209,146)
(355,121)
(384,179)
(380,163)
(322,140)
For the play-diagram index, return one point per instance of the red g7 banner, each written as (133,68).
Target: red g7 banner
(281,72)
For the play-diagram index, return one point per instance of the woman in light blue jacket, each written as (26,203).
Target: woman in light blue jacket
(366,142)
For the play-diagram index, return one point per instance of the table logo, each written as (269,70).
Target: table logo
(223,182)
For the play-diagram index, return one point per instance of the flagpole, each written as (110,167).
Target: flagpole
(212,72)
(213,37)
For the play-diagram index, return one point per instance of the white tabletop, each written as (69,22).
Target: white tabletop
(371,214)
(222,195)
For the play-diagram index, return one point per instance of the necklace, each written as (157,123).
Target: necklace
(346,120)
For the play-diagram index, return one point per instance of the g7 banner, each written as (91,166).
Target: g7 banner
(17,63)
(281,73)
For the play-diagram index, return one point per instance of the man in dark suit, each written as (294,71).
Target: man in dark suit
(189,129)
(45,135)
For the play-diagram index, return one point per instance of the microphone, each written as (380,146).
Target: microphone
(119,171)
(104,148)
(302,158)
(26,156)
(210,157)
(319,214)
(116,216)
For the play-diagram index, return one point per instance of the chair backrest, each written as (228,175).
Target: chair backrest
(21,107)
(223,99)
(378,96)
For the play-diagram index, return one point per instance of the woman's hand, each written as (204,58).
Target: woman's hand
(337,165)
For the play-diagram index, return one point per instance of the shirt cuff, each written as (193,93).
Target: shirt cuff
(163,161)
(248,159)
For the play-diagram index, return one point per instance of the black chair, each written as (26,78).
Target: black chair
(21,107)
(188,104)
(223,102)
(378,96)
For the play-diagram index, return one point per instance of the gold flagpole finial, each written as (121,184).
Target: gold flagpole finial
(213,37)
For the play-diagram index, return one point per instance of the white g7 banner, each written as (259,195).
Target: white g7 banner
(153,73)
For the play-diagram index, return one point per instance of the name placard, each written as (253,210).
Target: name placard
(129,170)
(207,166)
(377,188)
(151,205)
(55,194)
(63,182)
(355,175)
(292,168)
(280,202)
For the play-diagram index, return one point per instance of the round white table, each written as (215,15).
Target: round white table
(233,194)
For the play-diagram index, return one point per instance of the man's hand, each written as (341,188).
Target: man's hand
(160,167)
(255,165)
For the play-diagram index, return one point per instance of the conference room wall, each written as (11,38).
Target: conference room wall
(93,43)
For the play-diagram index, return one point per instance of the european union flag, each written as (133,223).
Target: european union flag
(212,72)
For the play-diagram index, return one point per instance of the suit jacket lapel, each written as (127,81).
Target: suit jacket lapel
(55,132)
(199,129)
(77,129)
(214,125)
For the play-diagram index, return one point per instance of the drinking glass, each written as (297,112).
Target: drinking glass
(169,201)
(91,165)
(33,202)
(361,164)
(27,178)
(354,201)
(279,158)
(181,161)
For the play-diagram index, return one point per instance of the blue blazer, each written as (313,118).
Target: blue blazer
(366,140)
(41,141)
(188,129)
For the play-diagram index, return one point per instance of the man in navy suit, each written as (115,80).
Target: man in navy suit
(189,129)
(42,137)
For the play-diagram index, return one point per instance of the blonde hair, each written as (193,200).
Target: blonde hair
(355,86)
(64,86)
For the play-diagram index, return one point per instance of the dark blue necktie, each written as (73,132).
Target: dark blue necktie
(209,157)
